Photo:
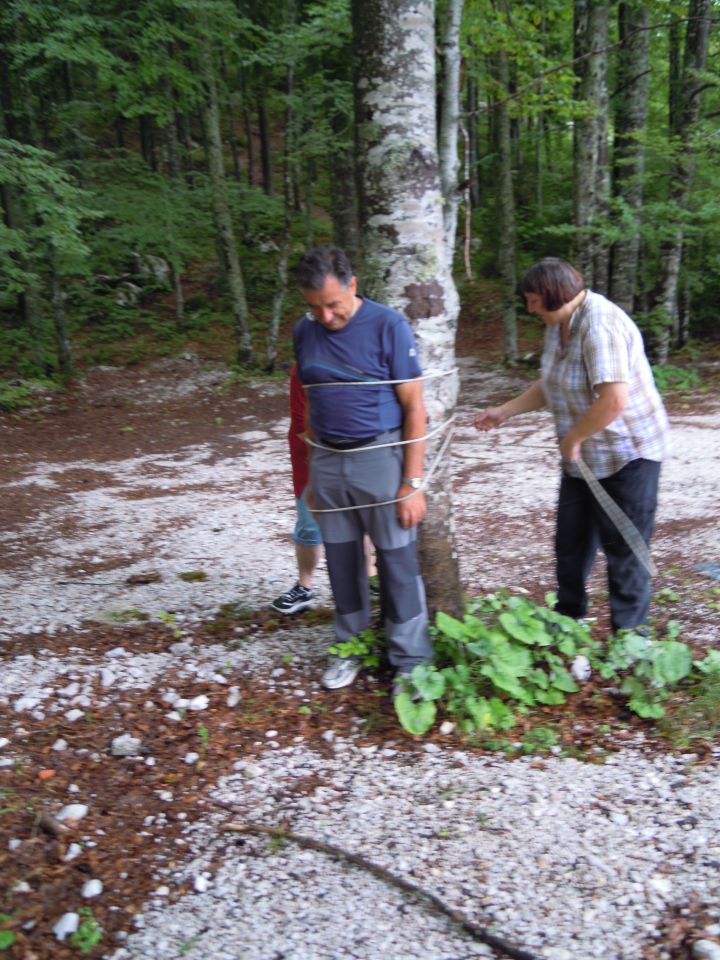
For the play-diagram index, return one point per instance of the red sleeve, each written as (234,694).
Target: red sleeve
(298,447)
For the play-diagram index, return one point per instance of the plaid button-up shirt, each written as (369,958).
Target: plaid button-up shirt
(604,346)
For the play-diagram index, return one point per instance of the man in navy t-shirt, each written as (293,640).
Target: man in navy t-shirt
(348,347)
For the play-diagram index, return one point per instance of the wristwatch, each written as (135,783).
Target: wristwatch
(414,482)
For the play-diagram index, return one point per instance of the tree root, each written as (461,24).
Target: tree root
(477,932)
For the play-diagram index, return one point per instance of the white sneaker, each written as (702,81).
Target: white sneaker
(341,672)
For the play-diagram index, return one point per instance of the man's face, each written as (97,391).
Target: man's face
(332,305)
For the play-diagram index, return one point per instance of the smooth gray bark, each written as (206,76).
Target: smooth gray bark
(506,210)
(688,107)
(407,264)
(221,211)
(590,181)
(449,126)
(631,105)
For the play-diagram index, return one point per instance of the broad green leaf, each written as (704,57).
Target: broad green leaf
(561,679)
(710,664)
(416,718)
(428,681)
(672,661)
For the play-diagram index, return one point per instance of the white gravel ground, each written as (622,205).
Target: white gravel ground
(568,860)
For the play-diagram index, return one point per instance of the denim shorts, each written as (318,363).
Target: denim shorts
(306,532)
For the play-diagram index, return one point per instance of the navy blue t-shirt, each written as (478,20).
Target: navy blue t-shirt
(376,344)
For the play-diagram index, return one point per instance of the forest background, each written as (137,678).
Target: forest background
(163,163)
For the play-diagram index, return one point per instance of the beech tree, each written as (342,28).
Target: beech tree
(406,263)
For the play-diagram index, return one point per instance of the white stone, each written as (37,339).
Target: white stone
(191,758)
(7,762)
(92,888)
(66,925)
(233,697)
(581,669)
(74,850)
(705,950)
(22,886)
(73,811)
(201,883)
(201,702)
(60,745)
(125,746)
(661,884)
(447,727)
(72,715)
(3,742)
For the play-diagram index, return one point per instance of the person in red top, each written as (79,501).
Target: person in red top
(306,535)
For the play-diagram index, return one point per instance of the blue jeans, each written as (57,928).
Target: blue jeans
(306,532)
(583,526)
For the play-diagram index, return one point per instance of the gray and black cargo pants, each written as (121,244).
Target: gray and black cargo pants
(353,478)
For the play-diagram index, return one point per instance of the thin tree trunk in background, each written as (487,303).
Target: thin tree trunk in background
(310,178)
(247,127)
(265,148)
(473,144)
(449,121)
(688,106)
(601,214)
(285,243)
(221,210)
(467,200)
(407,264)
(344,201)
(147,140)
(591,31)
(506,210)
(62,336)
(28,300)
(631,105)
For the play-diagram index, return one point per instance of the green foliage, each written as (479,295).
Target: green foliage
(7,937)
(364,646)
(670,378)
(88,934)
(510,656)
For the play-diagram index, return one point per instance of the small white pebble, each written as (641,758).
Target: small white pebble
(66,925)
(93,888)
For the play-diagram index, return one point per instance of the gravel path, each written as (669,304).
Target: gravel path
(566,859)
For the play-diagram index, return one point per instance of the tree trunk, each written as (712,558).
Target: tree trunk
(62,336)
(450,121)
(407,263)
(589,133)
(343,197)
(473,140)
(506,210)
(221,210)
(265,149)
(631,105)
(688,107)
(285,243)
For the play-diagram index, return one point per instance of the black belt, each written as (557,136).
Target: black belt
(348,443)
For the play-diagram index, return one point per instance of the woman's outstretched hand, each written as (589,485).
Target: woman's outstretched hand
(492,417)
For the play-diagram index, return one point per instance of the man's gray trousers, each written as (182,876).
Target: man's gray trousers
(354,478)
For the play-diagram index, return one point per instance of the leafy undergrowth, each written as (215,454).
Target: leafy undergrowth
(510,656)
(132,830)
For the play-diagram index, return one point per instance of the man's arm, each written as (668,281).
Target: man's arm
(410,394)
(610,403)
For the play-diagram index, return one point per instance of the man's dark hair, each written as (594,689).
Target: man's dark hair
(320,263)
(556,281)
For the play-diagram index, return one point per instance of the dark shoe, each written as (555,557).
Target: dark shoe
(296,599)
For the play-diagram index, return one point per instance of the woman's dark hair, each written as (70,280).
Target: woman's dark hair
(556,281)
(318,264)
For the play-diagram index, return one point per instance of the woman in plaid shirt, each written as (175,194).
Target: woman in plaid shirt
(597,382)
